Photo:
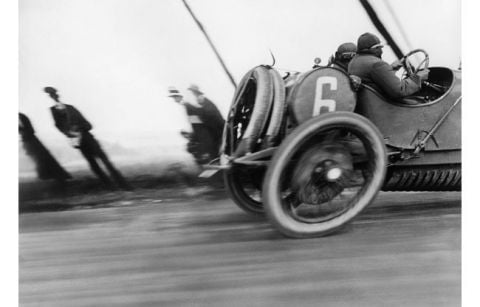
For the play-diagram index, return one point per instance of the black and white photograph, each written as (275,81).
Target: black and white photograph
(239,153)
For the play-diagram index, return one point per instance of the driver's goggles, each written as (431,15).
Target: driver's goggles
(379,45)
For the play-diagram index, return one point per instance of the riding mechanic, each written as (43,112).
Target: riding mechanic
(344,54)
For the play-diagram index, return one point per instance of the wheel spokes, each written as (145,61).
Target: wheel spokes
(325,181)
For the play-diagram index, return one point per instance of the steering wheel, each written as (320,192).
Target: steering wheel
(412,70)
(407,65)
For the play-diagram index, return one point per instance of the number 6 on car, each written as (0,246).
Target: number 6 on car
(320,102)
(320,91)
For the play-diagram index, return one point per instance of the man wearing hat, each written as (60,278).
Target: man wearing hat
(72,123)
(211,115)
(369,66)
(343,56)
(202,144)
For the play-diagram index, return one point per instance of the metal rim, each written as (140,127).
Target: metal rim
(277,208)
(246,195)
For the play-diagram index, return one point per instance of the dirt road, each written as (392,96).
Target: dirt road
(204,251)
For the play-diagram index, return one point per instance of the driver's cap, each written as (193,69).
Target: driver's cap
(368,41)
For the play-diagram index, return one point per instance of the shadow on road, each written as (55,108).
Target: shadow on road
(86,192)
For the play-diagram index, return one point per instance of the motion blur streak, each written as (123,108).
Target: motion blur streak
(404,250)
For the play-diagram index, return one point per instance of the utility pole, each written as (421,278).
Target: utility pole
(381,28)
(199,24)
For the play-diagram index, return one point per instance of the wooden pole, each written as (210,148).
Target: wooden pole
(381,28)
(199,24)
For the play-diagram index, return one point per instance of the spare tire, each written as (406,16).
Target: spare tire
(252,109)
(272,135)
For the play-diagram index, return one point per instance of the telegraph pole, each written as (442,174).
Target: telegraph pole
(199,24)
(381,28)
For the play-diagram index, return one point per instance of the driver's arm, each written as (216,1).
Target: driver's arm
(384,77)
(397,64)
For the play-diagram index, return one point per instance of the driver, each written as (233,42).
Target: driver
(369,66)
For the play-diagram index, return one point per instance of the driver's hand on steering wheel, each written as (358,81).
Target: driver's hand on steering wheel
(397,64)
(423,74)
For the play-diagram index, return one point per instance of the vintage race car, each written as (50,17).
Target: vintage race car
(312,150)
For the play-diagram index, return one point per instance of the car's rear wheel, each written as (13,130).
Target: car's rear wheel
(244,185)
(324,174)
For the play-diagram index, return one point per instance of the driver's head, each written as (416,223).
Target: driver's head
(369,43)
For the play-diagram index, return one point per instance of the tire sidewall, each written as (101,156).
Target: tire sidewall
(237,193)
(271,196)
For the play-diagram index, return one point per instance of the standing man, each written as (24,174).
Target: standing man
(211,115)
(72,123)
(201,142)
(343,56)
(369,66)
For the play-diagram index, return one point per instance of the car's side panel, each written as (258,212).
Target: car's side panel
(404,126)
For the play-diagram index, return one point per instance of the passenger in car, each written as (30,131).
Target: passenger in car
(343,56)
(369,66)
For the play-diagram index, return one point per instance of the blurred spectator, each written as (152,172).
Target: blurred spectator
(46,165)
(72,123)
(211,116)
(203,142)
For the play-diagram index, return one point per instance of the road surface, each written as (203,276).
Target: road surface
(405,250)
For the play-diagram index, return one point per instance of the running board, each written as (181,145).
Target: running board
(252,159)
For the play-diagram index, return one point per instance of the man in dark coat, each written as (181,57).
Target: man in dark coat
(72,123)
(344,54)
(212,117)
(203,142)
(46,165)
(369,66)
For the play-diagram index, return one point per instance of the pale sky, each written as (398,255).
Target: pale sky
(114,59)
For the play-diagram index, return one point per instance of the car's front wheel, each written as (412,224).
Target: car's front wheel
(324,174)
